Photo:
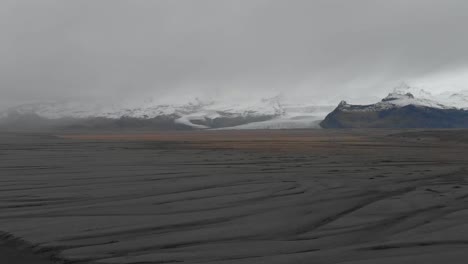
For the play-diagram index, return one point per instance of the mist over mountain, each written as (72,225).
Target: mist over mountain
(405,106)
(210,64)
(112,49)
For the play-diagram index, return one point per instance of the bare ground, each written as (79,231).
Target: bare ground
(320,196)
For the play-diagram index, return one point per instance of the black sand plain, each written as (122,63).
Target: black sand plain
(301,196)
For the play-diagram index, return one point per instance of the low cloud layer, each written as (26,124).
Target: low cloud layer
(318,49)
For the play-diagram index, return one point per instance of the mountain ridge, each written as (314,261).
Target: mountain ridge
(405,107)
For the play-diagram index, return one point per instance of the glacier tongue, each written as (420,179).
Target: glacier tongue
(273,112)
(277,112)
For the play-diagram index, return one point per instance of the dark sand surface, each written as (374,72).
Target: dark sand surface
(318,196)
(13,251)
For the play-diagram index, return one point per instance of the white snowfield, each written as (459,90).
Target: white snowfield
(149,108)
(405,95)
(282,113)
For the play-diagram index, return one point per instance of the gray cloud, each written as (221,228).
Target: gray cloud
(323,48)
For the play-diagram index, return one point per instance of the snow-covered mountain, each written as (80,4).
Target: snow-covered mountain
(405,106)
(266,113)
(404,95)
(398,109)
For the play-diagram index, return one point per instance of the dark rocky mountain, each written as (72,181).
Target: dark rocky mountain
(402,109)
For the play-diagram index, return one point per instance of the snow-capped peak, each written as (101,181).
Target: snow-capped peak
(404,95)
(403,87)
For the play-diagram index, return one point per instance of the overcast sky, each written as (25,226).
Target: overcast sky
(321,49)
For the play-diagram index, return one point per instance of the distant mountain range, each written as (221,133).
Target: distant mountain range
(405,107)
(267,113)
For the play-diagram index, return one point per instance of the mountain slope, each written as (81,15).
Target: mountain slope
(405,107)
